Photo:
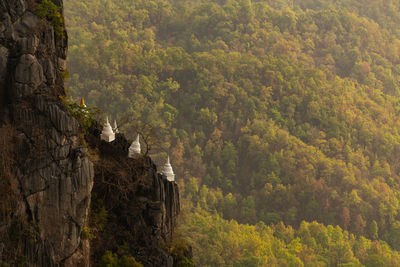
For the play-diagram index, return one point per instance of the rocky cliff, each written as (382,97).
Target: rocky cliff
(46,177)
(53,175)
(142,206)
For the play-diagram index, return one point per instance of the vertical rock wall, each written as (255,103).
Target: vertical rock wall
(54,175)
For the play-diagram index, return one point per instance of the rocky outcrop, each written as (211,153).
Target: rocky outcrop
(46,177)
(142,204)
(50,166)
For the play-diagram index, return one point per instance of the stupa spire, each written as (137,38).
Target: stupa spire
(83,102)
(168,171)
(115,129)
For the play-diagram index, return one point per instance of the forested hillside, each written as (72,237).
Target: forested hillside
(274,113)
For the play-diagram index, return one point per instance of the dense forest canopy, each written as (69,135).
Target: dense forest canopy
(274,113)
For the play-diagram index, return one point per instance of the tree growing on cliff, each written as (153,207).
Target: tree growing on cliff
(49,11)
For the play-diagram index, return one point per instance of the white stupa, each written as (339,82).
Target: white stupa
(167,171)
(134,149)
(115,128)
(107,134)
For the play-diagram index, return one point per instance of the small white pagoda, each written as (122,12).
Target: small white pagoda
(107,134)
(134,149)
(115,128)
(168,172)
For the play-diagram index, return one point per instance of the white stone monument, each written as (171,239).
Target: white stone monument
(168,172)
(107,134)
(134,149)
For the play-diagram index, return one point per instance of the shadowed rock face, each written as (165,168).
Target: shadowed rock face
(142,204)
(54,175)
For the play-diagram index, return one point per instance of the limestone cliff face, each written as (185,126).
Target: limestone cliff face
(53,174)
(46,177)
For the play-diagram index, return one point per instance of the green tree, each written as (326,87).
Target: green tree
(373,230)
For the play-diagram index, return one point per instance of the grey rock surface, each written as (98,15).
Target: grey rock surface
(54,173)
(29,71)
(28,45)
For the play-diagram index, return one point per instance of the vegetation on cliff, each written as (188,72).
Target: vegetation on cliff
(49,11)
(272,111)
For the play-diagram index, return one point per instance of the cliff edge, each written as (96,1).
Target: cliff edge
(46,176)
(141,205)
(50,174)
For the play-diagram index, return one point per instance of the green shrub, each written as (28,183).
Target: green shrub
(185,262)
(98,213)
(110,259)
(178,251)
(65,74)
(21,230)
(84,115)
(87,233)
(129,261)
(49,11)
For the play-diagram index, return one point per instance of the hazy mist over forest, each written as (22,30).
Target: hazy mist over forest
(281,119)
